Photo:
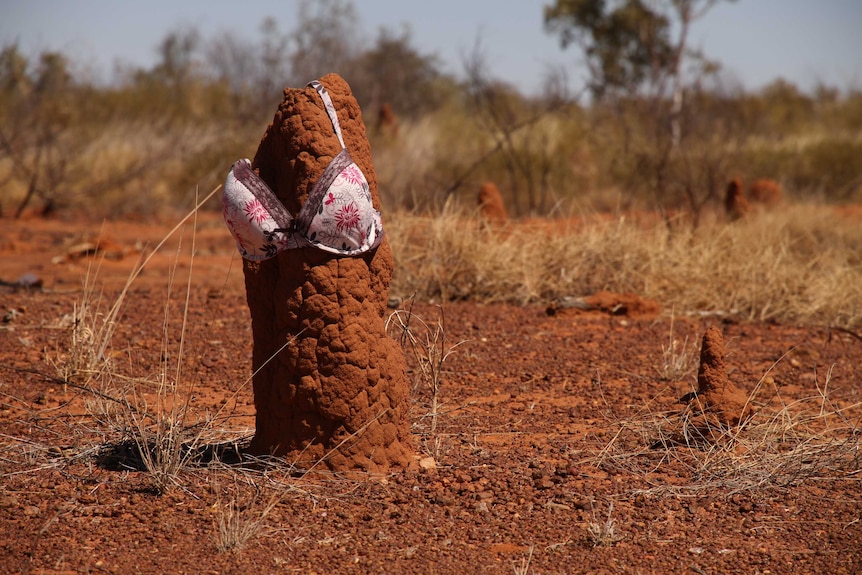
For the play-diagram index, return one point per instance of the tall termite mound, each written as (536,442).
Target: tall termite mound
(330,388)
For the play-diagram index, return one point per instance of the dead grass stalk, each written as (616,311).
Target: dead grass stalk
(428,347)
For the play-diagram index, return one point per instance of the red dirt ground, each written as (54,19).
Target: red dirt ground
(552,426)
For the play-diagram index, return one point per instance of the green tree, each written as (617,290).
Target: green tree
(629,48)
(635,52)
(394,72)
(625,46)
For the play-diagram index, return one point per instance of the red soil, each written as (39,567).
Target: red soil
(542,436)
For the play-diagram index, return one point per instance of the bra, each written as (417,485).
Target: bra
(338,216)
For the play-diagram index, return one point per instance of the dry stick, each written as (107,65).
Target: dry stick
(185,319)
(844,330)
(227,275)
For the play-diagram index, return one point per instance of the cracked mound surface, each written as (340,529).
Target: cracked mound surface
(337,395)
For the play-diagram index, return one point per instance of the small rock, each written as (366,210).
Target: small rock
(428,463)
(443,500)
(543,482)
(29,281)
(32,511)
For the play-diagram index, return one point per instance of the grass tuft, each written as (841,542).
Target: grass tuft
(426,345)
(679,358)
(604,532)
(241,520)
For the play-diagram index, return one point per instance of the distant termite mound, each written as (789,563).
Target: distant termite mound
(766,192)
(735,204)
(763,195)
(492,210)
(387,121)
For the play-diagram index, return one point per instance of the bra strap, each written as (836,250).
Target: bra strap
(330,109)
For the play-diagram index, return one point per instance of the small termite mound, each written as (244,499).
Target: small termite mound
(717,399)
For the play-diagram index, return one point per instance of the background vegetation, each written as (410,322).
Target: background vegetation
(658,128)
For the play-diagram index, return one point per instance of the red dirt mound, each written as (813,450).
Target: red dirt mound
(735,203)
(387,121)
(717,397)
(491,206)
(766,192)
(337,396)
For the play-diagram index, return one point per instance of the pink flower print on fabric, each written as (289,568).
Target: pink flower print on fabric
(256,212)
(338,216)
(254,215)
(347,218)
(334,199)
(354,175)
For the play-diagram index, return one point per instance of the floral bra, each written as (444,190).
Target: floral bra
(338,216)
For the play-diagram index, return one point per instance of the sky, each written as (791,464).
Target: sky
(807,42)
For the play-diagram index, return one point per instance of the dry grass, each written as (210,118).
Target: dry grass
(679,358)
(426,344)
(604,532)
(160,431)
(241,517)
(787,443)
(150,414)
(801,264)
(522,565)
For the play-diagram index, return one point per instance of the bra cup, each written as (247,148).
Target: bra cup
(343,222)
(346,221)
(254,215)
